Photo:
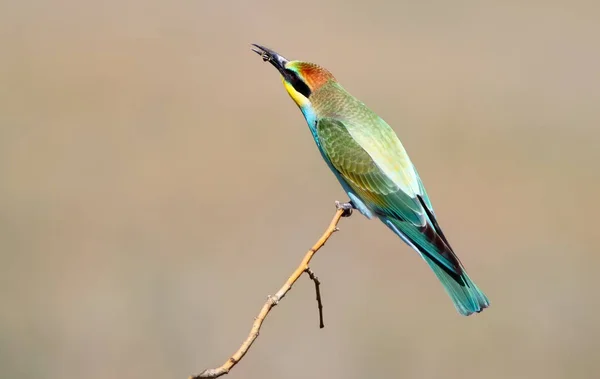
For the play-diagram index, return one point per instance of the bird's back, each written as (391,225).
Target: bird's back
(371,133)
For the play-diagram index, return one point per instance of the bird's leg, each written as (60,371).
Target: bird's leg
(346,207)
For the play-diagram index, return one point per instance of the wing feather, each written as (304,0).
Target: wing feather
(411,213)
(383,194)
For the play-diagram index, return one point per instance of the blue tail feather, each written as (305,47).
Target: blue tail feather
(465,295)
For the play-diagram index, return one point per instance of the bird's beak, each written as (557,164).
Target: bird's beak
(269,55)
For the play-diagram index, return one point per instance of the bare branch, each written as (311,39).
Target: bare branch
(342,210)
(314,278)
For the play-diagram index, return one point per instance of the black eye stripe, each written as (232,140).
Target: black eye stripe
(298,84)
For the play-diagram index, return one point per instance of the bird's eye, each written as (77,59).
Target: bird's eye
(298,84)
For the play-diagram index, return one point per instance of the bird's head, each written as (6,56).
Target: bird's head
(300,79)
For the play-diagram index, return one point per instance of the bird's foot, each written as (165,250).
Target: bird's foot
(346,207)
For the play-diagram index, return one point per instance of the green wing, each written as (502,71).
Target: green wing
(364,176)
(401,211)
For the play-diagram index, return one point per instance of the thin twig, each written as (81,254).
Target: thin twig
(274,300)
(314,278)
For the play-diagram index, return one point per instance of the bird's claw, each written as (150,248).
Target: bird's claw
(346,207)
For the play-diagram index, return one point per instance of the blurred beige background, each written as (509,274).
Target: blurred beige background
(157,183)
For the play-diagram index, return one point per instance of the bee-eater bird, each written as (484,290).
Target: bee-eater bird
(374,169)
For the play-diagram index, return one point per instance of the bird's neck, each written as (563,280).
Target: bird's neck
(311,119)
